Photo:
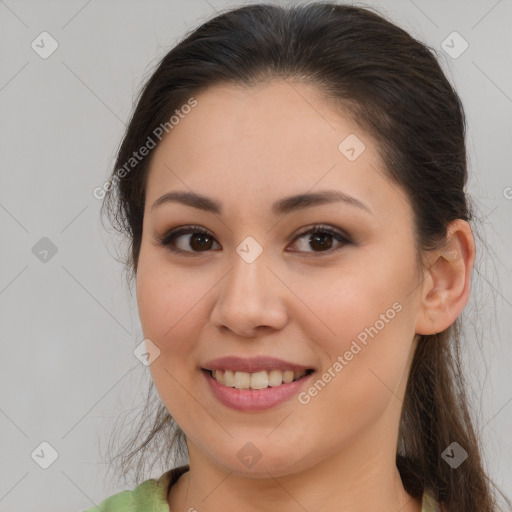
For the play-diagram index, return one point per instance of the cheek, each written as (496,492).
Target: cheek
(169,302)
(362,302)
(362,380)
(371,316)
(169,309)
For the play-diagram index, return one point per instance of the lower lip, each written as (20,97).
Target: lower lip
(255,399)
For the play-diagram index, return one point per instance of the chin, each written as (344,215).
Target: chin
(251,462)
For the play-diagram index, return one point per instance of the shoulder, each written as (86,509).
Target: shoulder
(430,503)
(149,496)
(140,499)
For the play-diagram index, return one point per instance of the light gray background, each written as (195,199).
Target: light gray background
(69,325)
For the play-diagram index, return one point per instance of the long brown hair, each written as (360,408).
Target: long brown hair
(393,87)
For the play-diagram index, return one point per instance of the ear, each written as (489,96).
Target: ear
(447,282)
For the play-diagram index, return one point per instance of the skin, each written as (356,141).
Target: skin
(247,148)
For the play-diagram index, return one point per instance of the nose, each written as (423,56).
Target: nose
(250,299)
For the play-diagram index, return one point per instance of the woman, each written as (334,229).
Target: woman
(292,187)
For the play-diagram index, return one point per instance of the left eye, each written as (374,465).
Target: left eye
(201,240)
(319,237)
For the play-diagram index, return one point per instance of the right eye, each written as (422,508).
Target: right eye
(200,241)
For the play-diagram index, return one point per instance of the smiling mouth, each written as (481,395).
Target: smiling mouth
(256,380)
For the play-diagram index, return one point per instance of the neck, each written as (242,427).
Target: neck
(352,480)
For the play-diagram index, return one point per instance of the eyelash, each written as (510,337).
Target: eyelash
(171,236)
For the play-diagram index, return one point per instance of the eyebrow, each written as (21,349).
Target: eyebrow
(281,207)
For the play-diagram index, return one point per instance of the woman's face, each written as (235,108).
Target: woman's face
(259,284)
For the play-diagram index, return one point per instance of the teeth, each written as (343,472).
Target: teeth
(229,378)
(257,380)
(287,376)
(275,378)
(242,380)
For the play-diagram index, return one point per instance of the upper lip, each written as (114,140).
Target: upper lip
(252,364)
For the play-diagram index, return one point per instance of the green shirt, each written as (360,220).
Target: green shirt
(151,496)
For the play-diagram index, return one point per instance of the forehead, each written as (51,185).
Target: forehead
(265,142)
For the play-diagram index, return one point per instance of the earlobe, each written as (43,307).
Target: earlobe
(447,283)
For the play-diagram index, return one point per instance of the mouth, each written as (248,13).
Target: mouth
(256,380)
